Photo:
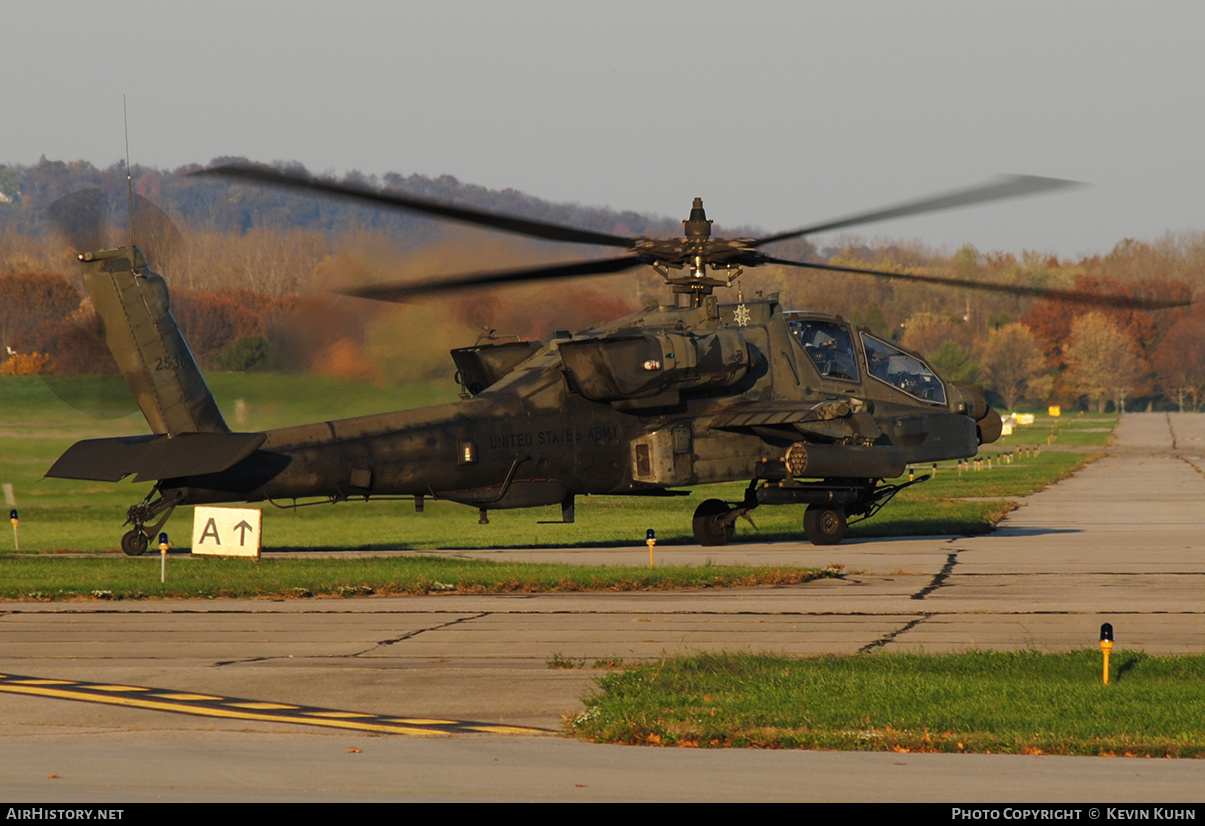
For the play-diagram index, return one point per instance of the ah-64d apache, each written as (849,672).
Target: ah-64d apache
(800,405)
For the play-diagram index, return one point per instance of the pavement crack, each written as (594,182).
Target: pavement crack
(882,641)
(940,578)
(417,631)
(382,644)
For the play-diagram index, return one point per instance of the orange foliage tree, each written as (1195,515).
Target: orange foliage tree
(25,364)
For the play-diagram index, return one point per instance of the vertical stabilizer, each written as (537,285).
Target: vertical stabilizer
(132,302)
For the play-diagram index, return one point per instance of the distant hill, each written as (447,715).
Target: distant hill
(234,207)
(212,204)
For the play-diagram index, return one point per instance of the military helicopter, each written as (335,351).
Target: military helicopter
(802,406)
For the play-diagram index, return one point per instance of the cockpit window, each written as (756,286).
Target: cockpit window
(830,347)
(903,371)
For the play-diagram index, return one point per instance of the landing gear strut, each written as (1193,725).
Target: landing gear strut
(710,526)
(831,502)
(134,542)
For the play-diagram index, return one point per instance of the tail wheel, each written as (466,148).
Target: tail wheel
(824,525)
(133,543)
(708,528)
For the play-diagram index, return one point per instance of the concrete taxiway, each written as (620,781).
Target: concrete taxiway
(1120,542)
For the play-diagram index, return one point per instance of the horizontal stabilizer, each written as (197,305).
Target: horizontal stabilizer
(155,457)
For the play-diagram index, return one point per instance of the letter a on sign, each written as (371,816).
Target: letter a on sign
(227,531)
(211,533)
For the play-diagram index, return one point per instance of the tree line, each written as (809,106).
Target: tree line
(252,270)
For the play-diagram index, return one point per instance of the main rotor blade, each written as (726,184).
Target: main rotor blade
(1012,186)
(1077,296)
(79,216)
(155,234)
(83,217)
(475,217)
(419,289)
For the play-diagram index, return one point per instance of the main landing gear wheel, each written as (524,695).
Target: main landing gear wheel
(708,528)
(824,525)
(133,543)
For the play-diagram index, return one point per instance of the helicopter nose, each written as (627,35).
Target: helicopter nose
(969,399)
(989,427)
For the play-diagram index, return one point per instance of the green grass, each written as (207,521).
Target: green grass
(40,579)
(1019,703)
(1069,431)
(50,523)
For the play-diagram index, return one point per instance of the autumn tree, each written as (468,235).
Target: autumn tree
(1179,360)
(28,300)
(1012,364)
(1102,361)
(927,332)
(212,322)
(25,364)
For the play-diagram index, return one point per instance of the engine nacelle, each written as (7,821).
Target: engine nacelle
(621,367)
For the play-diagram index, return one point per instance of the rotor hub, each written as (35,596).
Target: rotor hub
(697,227)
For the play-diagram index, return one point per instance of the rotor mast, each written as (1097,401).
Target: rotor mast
(697,251)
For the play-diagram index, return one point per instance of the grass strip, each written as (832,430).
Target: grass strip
(202,577)
(985,702)
(944,505)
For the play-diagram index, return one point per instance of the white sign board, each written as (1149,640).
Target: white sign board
(226,531)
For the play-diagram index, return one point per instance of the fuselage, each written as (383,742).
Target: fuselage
(752,387)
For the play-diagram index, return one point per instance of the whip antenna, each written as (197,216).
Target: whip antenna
(129,178)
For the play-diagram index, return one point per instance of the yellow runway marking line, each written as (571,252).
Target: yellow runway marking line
(420,721)
(208,705)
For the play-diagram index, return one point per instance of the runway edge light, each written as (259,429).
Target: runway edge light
(164,544)
(650,539)
(1106,645)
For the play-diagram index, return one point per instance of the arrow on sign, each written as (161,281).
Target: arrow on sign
(243,527)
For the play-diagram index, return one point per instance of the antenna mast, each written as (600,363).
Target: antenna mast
(129,178)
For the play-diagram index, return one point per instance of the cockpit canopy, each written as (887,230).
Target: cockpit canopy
(830,345)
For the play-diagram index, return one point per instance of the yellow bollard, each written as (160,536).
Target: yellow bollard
(12,517)
(1106,645)
(650,539)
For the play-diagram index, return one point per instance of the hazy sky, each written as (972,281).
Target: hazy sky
(779,114)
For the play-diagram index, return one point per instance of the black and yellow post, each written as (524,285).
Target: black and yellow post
(12,517)
(650,539)
(1106,645)
(163,546)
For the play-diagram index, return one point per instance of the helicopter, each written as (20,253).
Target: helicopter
(802,406)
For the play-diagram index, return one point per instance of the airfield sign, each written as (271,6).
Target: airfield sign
(226,531)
